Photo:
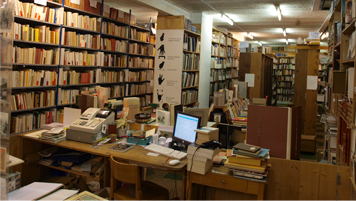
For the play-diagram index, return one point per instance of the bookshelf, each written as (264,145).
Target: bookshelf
(274,78)
(284,73)
(84,45)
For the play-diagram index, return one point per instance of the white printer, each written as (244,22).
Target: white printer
(90,123)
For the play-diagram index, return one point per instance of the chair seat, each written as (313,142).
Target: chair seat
(150,191)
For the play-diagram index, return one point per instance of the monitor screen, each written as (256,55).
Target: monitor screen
(185,126)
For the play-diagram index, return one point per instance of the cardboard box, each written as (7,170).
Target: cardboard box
(14,180)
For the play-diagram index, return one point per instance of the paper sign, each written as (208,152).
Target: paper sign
(150,132)
(106,9)
(41,2)
(313,35)
(244,44)
(250,79)
(75,2)
(312,82)
(93,3)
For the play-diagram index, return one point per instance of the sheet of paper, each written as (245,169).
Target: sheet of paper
(34,191)
(75,2)
(150,132)
(3,189)
(70,115)
(35,134)
(93,3)
(152,154)
(244,44)
(250,79)
(86,167)
(61,194)
(312,82)
(313,35)
(41,2)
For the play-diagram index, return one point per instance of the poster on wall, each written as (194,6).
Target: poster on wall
(168,67)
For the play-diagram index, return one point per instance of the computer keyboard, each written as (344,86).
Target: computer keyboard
(171,153)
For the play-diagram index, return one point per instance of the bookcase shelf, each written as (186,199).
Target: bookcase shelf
(190,103)
(112,52)
(82,12)
(103,35)
(79,48)
(186,51)
(74,66)
(33,109)
(80,30)
(34,87)
(64,105)
(53,4)
(34,65)
(35,43)
(77,85)
(112,68)
(110,83)
(190,70)
(33,21)
(138,41)
(189,87)
(133,82)
(107,19)
(133,68)
(139,28)
(139,55)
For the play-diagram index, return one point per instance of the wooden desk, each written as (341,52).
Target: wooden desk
(221,177)
(136,155)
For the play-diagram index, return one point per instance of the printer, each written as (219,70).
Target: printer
(90,124)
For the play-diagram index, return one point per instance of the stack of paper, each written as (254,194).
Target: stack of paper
(201,160)
(206,134)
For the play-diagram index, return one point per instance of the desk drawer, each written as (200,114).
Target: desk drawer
(220,181)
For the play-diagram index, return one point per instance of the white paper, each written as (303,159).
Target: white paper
(35,134)
(33,191)
(312,82)
(250,79)
(61,194)
(93,3)
(150,132)
(244,44)
(152,154)
(86,167)
(41,2)
(75,2)
(70,115)
(313,35)
(106,9)
(3,189)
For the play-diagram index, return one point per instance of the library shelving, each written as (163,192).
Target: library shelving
(82,44)
(285,73)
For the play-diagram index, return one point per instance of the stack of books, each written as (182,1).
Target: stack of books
(248,162)
(200,161)
(55,135)
(206,134)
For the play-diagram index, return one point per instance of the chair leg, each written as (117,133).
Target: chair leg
(144,172)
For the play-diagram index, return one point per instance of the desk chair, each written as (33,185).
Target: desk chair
(141,190)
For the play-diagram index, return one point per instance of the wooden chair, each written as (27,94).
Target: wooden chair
(141,190)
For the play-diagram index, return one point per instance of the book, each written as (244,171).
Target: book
(261,169)
(121,147)
(85,195)
(245,160)
(200,169)
(247,147)
(264,153)
(202,152)
(163,117)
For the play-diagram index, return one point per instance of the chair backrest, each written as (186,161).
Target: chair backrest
(128,173)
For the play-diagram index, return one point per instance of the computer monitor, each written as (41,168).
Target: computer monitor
(200,112)
(184,127)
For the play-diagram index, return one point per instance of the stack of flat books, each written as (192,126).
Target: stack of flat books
(54,135)
(206,134)
(248,162)
(201,160)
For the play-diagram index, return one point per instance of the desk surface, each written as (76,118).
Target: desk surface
(137,155)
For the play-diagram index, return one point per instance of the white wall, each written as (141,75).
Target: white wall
(206,22)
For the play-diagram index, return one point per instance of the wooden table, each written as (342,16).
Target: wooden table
(136,155)
(221,177)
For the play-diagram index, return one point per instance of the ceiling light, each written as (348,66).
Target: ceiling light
(259,43)
(279,14)
(284,33)
(250,35)
(153,30)
(226,19)
(287,41)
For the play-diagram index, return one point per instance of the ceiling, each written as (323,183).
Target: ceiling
(256,16)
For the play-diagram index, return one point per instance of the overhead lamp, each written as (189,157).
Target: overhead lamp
(284,33)
(287,41)
(259,43)
(226,19)
(250,35)
(153,31)
(279,13)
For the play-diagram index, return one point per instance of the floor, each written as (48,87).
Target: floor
(166,180)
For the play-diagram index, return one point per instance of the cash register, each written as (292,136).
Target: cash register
(89,124)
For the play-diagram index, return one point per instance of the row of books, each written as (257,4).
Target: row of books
(190,79)
(116,91)
(73,77)
(286,60)
(233,73)
(217,63)
(119,15)
(351,47)
(113,60)
(137,62)
(218,37)
(285,66)
(191,43)
(239,108)
(72,38)
(35,55)
(285,72)
(67,96)
(112,76)
(138,76)
(31,78)
(285,84)
(81,21)
(30,121)
(215,50)
(135,48)
(85,5)
(285,78)
(232,62)
(42,13)
(231,52)
(136,89)
(113,29)
(114,45)
(190,61)
(216,75)
(78,58)
(284,98)
(31,100)
(214,87)
(138,35)
(285,91)
(229,41)
(189,96)
(40,34)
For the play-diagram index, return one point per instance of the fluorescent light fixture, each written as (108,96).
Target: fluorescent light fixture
(287,41)
(279,13)
(250,35)
(245,33)
(284,33)
(153,30)
(226,19)
(259,43)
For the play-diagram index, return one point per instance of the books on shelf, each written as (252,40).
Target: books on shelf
(116,91)
(111,76)
(189,96)
(35,55)
(351,48)
(190,79)
(37,12)
(84,5)
(190,61)
(214,49)
(82,22)
(137,62)
(138,35)
(217,75)
(136,89)
(31,78)
(72,38)
(33,99)
(74,77)
(137,76)
(67,96)
(112,60)
(69,57)
(232,73)
(191,43)
(41,34)
(114,45)
(136,48)
(31,121)
(115,30)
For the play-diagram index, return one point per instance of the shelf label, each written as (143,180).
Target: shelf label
(41,2)
(314,35)
(93,3)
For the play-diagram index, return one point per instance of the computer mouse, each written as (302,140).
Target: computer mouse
(174,162)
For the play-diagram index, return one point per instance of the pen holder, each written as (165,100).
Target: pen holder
(121,132)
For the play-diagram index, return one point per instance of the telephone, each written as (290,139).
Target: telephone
(93,119)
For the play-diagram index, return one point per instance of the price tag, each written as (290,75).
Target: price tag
(41,2)
(93,3)
(314,35)
(106,9)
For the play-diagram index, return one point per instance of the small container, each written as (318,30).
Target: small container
(94,142)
